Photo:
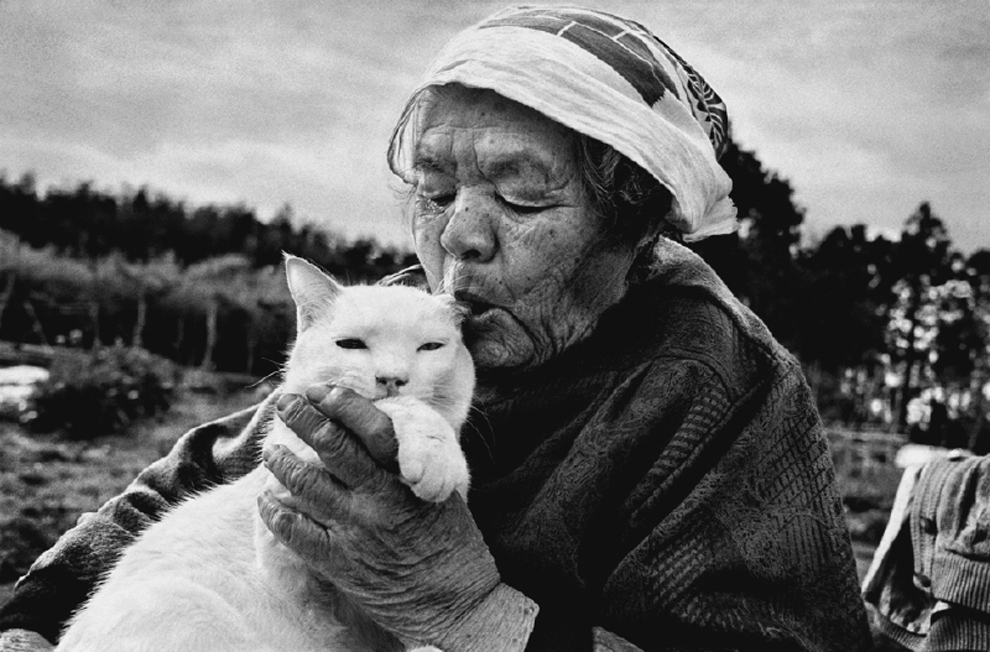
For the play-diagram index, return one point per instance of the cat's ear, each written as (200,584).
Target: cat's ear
(312,290)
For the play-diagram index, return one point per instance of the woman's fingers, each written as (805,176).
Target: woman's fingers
(345,458)
(311,486)
(361,417)
(296,530)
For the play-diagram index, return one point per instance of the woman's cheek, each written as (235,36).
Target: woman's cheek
(427,230)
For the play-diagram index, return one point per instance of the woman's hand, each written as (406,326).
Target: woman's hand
(421,570)
(22,640)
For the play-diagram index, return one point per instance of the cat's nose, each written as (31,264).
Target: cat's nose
(391,384)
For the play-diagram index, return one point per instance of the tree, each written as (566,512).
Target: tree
(921,262)
(758,262)
(840,315)
(148,282)
(206,285)
(9,253)
(964,346)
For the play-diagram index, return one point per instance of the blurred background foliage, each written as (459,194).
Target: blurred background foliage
(892,329)
(201,286)
(102,391)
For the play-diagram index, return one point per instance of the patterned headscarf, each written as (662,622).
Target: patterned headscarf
(608,78)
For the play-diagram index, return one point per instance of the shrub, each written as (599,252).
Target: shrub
(98,392)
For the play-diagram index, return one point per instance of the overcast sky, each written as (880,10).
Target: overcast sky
(867,107)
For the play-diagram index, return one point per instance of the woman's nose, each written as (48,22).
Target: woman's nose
(469,233)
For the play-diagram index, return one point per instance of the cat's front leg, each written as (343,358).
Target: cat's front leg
(430,457)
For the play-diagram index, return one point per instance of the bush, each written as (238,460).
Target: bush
(99,392)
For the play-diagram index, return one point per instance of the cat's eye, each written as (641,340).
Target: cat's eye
(351,343)
(431,346)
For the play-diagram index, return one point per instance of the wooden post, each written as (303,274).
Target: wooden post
(8,291)
(94,318)
(142,312)
(35,322)
(212,317)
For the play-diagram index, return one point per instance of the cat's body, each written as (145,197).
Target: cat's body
(209,575)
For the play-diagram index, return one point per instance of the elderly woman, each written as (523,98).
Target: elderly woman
(649,468)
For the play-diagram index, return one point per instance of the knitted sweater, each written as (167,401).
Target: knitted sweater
(665,482)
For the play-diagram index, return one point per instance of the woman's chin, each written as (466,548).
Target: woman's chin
(498,343)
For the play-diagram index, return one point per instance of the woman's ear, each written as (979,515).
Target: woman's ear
(312,289)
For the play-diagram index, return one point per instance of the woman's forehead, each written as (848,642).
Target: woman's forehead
(498,136)
(495,159)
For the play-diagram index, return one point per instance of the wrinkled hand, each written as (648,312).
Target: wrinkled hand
(22,640)
(419,569)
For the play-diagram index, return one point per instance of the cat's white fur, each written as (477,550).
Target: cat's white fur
(209,575)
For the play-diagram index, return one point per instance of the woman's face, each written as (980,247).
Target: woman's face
(502,221)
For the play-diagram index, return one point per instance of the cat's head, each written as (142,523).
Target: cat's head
(378,341)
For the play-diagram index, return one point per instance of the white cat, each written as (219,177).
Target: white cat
(210,576)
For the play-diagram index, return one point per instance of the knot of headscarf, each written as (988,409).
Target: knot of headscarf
(608,78)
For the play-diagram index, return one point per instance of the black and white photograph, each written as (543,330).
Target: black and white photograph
(470,326)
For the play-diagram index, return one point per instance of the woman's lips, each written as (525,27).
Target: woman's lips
(476,304)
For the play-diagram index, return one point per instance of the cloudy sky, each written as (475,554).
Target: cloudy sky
(867,107)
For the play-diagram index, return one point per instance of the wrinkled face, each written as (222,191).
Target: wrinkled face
(503,221)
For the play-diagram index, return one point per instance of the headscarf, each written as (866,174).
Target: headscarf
(605,77)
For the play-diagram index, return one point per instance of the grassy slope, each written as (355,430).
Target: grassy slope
(46,482)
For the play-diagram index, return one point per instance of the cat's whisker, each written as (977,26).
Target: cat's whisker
(265,378)
(450,281)
(476,433)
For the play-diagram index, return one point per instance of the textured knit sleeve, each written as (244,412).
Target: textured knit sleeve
(735,537)
(669,488)
(62,578)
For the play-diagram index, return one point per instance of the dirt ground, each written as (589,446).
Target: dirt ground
(46,481)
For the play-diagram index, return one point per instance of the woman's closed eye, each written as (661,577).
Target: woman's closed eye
(525,202)
(430,346)
(437,203)
(523,209)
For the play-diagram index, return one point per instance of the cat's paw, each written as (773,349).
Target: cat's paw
(433,468)
(430,459)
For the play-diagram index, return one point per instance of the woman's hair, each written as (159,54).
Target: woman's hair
(627,197)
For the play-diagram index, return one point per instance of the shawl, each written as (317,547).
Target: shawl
(663,485)
(605,77)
